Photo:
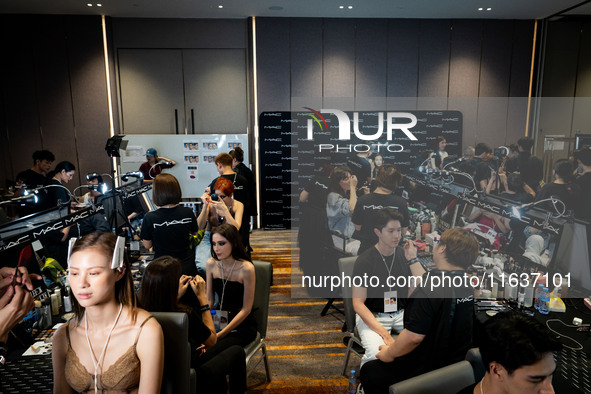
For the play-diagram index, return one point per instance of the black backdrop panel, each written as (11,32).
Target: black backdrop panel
(289,159)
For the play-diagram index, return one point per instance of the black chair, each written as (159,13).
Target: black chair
(351,339)
(178,375)
(446,380)
(260,307)
(475,359)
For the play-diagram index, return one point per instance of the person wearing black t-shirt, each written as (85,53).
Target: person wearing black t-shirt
(387,181)
(518,356)
(238,166)
(379,308)
(583,159)
(438,318)
(168,229)
(530,167)
(480,166)
(223,161)
(361,168)
(313,233)
(561,188)
(162,285)
(35,176)
(515,189)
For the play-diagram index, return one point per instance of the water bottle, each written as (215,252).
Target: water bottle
(352,389)
(545,302)
(538,295)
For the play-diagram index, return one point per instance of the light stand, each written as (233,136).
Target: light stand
(112,148)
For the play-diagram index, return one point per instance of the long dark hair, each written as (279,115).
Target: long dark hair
(230,232)
(160,285)
(124,290)
(338,174)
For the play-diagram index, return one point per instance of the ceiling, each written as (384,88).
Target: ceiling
(456,9)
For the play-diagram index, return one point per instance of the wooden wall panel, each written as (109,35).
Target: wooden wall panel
(273,65)
(339,64)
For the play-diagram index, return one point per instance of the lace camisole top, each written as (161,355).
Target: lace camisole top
(121,377)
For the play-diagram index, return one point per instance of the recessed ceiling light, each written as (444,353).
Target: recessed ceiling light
(350,7)
(480,9)
(99,5)
(220,6)
(341,7)
(90,5)
(489,9)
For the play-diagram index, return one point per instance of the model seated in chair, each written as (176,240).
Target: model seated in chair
(162,287)
(517,354)
(110,345)
(342,198)
(379,310)
(231,276)
(437,319)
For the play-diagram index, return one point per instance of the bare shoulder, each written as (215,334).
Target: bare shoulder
(248,268)
(151,329)
(210,263)
(59,337)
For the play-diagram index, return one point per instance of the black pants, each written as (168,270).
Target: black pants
(213,366)
(376,376)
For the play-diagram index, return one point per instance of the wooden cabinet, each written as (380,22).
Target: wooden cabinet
(183,91)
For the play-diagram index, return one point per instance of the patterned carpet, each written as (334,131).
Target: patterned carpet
(306,350)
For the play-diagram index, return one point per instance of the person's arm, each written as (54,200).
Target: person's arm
(58,360)
(359,297)
(150,351)
(172,162)
(199,288)
(147,244)
(352,194)
(491,184)
(304,195)
(248,299)
(406,342)
(222,210)
(482,184)
(527,188)
(475,215)
(209,267)
(15,304)
(204,214)
(416,268)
